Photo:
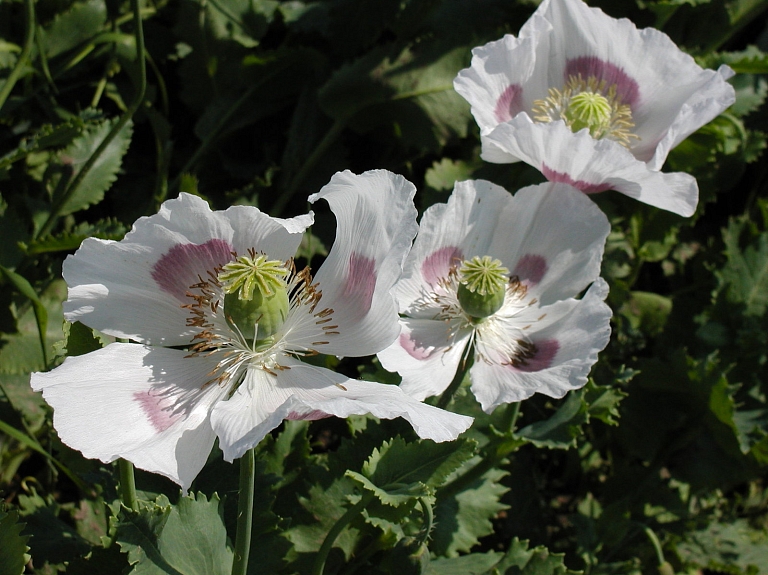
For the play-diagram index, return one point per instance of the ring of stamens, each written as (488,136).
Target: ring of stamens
(589,103)
(236,353)
(488,333)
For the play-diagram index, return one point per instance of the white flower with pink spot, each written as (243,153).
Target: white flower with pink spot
(194,375)
(550,240)
(655,96)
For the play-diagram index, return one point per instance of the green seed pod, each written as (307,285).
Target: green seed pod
(269,312)
(482,286)
(480,306)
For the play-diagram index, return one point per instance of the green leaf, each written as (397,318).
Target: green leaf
(41,314)
(399,471)
(561,429)
(109,229)
(746,271)
(79,339)
(647,311)
(103,172)
(188,538)
(519,560)
(13,544)
(412,96)
(720,545)
(462,519)
(21,352)
(474,564)
(78,24)
(444,174)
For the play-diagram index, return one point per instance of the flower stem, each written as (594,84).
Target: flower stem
(124,119)
(451,390)
(338,527)
(495,452)
(127,484)
(29,42)
(244,513)
(330,137)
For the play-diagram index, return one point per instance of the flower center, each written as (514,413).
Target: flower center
(482,286)
(588,104)
(256,300)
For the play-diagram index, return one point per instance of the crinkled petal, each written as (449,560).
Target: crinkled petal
(135,288)
(147,405)
(307,392)
(567,342)
(588,164)
(424,356)
(448,234)
(376,222)
(551,236)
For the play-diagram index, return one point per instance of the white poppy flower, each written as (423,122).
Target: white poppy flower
(593,102)
(496,276)
(223,319)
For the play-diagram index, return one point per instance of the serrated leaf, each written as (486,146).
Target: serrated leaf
(561,429)
(399,471)
(103,172)
(326,506)
(79,339)
(78,24)
(47,136)
(110,229)
(444,174)
(13,544)
(473,564)
(603,402)
(519,560)
(746,272)
(412,93)
(463,518)
(21,352)
(188,538)
(734,544)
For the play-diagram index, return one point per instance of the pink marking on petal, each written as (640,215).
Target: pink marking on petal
(158,408)
(182,265)
(530,269)
(546,350)
(413,347)
(509,104)
(311,416)
(357,294)
(592,66)
(437,265)
(586,187)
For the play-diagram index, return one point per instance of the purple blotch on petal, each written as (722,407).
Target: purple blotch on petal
(413,347)
(183,264)
(530,269)
(591,66)
(546,350)
(158,408)
(562,177)
(357,294)
(437,265)
(509,104)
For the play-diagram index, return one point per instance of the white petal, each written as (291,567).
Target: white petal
(307,392)
(448,234)
(424,357)
(376,222)
(708,97)
(134,288)
(569,340)
(551,236)
(144,404)
(588,164)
